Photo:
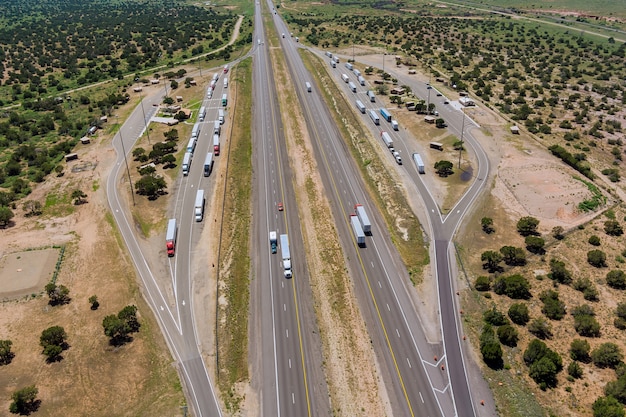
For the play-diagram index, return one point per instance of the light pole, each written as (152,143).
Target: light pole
(462,128)
(144,118)
(384,53)
(132,193)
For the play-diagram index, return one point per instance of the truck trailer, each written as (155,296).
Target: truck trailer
(286,255)
(198,209)
(385,113)
(352,86)
(191,145)
(208,164)
(220,116)
(419,163)
(217,128)
(371,95)
(345,78)
(195,132)
(361,80)
(357,229)
(216,145)
(186,163)
(387,139)
(202,113)
(349,66)
(374,117)
(365,221)
(360,106)
(273,241)
(170,237)
(308,86)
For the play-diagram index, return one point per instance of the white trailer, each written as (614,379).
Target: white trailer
(360,106)
(308,86)
(170,237)
(361,80)
(208,164)
(202,113)
(394,125)
(349,66)
(195,132)
(187,163)
(191,145)
(419,163)
(371,95)
(286,255)
(365,221)
(357,229)
(374,117)
(345,78)
(225,82)
(352,86)
(356,72)
(217,128)
(220,116)
(198,209)
(387,139)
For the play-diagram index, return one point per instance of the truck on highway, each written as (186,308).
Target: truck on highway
(224,100)
(356,72)
(273,241)
(360,106)
(217,128)
(308,86)
(208,164)
(345,78)
(202,113)
(374,117)
(220,116)
(216,76)
(385,113)
(371,95)
(387,139)
(361,80)
(357,229)
(349,66)
(195,132)
(170,237)
(198,208)
(225,82)
(216,145)
(333,63)
(365,221)
(419,163)
(395,125)
(191,145)
(186,163)
(286,255)
(352,86)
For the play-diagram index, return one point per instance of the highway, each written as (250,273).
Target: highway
(442,227)
(290,377)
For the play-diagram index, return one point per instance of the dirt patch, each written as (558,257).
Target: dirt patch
(27,272)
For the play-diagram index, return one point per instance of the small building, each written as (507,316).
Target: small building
(466,101)
(71,157)
(429,119)
(92,130)
(85,140)
(515,130)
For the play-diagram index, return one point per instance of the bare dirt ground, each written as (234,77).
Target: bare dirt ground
(25,273)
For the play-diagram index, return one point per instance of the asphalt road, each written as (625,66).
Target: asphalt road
(290,379)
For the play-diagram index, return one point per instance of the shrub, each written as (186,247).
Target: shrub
(518,313)
(596,258)
(579,350)
(535,244)
(616,279)
(559,273)
(587,326)
(594,240)
(508,335)
(575,370)
(515,286)
(482,283)
(513,256)
(553,308)
(613,228)
(490,348)
(607,407)
(540,328)
(527,226)
(544,364)
(494,317)
(607,355)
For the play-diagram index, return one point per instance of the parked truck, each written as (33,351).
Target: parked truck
(191,145)
(419,163)
(371,95)
(361,80)
(395,125)
(225,82)
(170,237)
(195,132)
(202,113)
(387,139)
(385,113)
(374,117)
(220,116)
(357,229)
(198,209)
(345,78)
(186,163)
(216,145)
(360,106)
(352,86)
(208,164)
(365,221)
(286,255)
(217,128)
(273,241)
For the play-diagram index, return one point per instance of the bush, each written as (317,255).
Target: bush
(559,273)
(594,240)
(553,308)
(513,256)
(607,355)
(616,279)
(607,407)
(508,335)
(527,226)
(482,283)
(515,286)
(494,317)
(613,228)
(587,326)
(579,350)
(544,364)
(535,244)
(596,258)
(490,348)
(540,328)
(617,389)
(518,313)
(575,370)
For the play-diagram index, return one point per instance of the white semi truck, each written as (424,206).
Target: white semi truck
(357,229)
(365,221)
(286,255)
(387,139)
(198,209)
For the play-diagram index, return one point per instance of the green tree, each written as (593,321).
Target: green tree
(513,256)
(508,335)
(79,197)
(518,313)
(596,258)
(607,355)
(6,355)
(57,294)
(487,225)
(515,286)
(540,328)
(527,226)
(587,326)
(53,341)
(93,300)
(559,273)
(151,186)
(482,283)
(617,389)
(494,317)
(490,348)
(491,260)
(544,373)
(575,370)
(616,279)
(444,168)
(607,407)
(440,123)
(579,350)
(594,240)
(138,154)
(6,214)
(553,308)
(535,244)
(613,228)
(168,100)
(116,330)
(25,401)
(620,320)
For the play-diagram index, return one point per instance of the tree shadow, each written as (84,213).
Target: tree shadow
(29,408)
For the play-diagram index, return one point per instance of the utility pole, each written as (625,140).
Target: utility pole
(384,53)
(462,128)
(144,118)
(132,193)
